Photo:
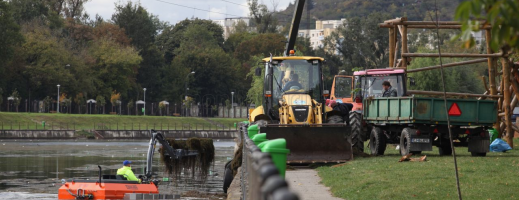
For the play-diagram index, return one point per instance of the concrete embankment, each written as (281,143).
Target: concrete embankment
(115,134)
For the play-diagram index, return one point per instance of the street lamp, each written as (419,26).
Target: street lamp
(57,109)
(232,104)
(187,78)
(144,101)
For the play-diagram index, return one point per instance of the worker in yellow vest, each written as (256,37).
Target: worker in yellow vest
(127,172)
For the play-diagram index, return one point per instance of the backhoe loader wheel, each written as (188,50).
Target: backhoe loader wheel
(335,119)
(377,141)
(357,133)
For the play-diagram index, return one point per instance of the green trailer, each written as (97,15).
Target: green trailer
(417,123)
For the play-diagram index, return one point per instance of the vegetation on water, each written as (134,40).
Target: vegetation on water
(190,165)
(34,121)
(383,177)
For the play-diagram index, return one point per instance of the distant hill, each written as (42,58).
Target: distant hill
(336,9)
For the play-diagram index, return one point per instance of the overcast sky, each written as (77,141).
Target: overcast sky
(167,11)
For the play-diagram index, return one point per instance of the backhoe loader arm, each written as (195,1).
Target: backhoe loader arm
(294,28)
(173,153)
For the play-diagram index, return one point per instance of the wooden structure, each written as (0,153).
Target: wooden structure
(506,93)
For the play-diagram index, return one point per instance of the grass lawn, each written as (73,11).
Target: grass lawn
(495,176)
(87,122)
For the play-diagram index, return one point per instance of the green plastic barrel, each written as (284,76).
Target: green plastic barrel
(259,138)
(252,130)
(278,151)
(493,134)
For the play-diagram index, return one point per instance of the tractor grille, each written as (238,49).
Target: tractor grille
(300,113)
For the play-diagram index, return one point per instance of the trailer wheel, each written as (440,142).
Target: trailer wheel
(477,154)
(357,133)
(335,119)
(405,142)
(377,141)
(227,176)
(445,148)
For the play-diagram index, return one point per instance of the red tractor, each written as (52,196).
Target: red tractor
(353,89)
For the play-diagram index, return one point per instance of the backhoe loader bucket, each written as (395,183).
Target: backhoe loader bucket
(313,144)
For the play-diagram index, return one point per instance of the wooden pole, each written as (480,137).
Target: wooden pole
(468,55)
(451,94)
(404,46)
(485,27)
(508,114)
(448,65)
(392,44)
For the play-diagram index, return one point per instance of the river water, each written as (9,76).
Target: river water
(33,169)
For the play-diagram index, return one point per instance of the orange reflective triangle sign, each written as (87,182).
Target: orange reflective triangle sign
(454,110)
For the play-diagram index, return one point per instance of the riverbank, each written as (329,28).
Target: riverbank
(34,121)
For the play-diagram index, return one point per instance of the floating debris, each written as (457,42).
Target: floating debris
(190,165)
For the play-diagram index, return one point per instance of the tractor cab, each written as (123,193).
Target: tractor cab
(369,82)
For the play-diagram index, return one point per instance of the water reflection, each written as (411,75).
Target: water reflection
(37,166)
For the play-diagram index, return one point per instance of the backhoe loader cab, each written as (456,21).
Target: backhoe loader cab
(294,83)
(293,109)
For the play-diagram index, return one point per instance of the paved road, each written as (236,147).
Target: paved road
(306,183)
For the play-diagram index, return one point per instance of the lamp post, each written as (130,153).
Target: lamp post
(232,104)
(144,101)
(187,78)
(57,109)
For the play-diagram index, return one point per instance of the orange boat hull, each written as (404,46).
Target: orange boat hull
(104,190)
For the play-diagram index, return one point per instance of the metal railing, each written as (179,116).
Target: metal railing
(260,179)
(116,126)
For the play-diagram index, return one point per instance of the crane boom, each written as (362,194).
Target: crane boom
(294,28)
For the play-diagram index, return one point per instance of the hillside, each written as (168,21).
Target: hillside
(336,9)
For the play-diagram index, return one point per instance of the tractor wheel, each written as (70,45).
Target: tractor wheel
(357,133)
(377,141)
(335,119)
(477,154)
(227,176)
(445,147)
(261,122)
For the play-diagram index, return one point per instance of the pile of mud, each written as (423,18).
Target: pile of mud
(190,165)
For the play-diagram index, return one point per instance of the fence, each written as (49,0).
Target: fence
(116,126)
(260,179)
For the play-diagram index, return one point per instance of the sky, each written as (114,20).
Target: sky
(166,10)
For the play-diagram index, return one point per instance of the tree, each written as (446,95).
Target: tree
(1,98)
(115,68)
(130,106)
(80,101)
(47,102)
(360,44)
(501,14)
(264,19)
(138,24)
(16,99)
(10,35)
(162,108)
(115,99)
(100,100)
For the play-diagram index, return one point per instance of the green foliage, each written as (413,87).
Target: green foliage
(464,79)
(501,14)
(255,93)
(139,25)
(265,21)
(16,98)
(130,104)
(115,66)
(10,36)
(359,36)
